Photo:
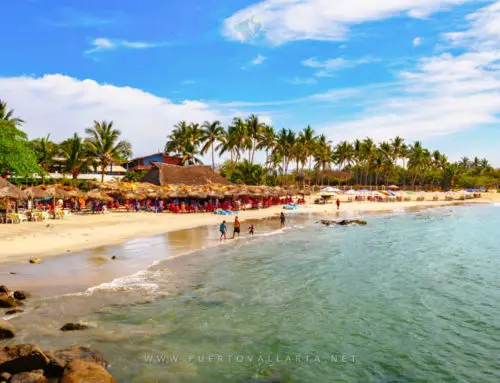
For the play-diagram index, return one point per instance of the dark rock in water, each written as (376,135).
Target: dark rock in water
(6,331)
(115,257)
(14,311)
(35,260)
(22,358)
(74,327)
(12,273)
(29,377)
(20,295)
(345,222)
(4,290)
(6,301)
(79,371)
(60,358)
(5,377)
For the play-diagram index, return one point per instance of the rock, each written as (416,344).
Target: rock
(345,222)
(79,371)
(115,257)
(60,358)
(22,358)
(29,377)
(12,273)
(5,377)
(20,295)
(4,290)
(35,260)
(7,301)
(6,330)
(14,311)
(74,327)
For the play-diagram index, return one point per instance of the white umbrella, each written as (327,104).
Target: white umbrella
(351,192)
(329,189)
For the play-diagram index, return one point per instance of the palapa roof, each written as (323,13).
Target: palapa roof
(8,190)
(164,174)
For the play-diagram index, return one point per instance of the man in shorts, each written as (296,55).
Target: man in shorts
(237,227)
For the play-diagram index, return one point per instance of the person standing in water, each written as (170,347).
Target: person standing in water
(251,230)
(237,227)
(222,230)
(338,204)
(282,220)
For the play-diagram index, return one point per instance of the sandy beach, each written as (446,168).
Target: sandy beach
(20,242)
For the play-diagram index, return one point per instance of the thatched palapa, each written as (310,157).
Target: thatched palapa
(7,190)
(163,174)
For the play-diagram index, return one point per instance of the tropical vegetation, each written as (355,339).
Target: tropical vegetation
(251,152)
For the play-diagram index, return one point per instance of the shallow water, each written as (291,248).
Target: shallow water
(412,297)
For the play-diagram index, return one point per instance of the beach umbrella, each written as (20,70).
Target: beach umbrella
(351,192)
(57,192)
(35,192)
(75,193)
(8,190)
(98,195)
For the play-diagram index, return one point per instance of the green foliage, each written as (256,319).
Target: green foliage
(16,154)
(135,176)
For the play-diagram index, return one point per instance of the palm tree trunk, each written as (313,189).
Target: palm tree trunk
(213,159)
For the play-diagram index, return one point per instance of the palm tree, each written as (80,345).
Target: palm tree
(73,150)
(397,148)
(227,144)
(323,154)
(254,128)
(267,141)
(309,140)
(45,151)
(285,141)
(8,115)
(104,144)
(368,150)
(344,154)
(240,137)
(247,173)
(212,132)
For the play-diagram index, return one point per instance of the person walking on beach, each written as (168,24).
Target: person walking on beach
(338,204)
(282,220)
(237,227)
(222,230)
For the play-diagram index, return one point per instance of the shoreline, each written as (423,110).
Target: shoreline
(76,233)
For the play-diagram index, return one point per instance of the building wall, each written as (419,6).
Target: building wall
(155,158)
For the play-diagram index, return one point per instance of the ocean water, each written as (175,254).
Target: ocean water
(411,297)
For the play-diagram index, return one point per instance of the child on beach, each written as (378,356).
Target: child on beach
(282,220)
(338,204)
(222,230)
(251,230)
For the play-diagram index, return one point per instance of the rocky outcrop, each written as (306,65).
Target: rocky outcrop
(22,358)
(35,260)
(7,301)
(14,311)
(83,371)
(74,327)
(27,363)
(345,222)
(60,358)
(20,295)
(4,290)
(29,377)
(6,330)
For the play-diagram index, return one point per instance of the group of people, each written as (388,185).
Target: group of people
(237,227)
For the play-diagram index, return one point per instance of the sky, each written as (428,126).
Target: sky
(425,70)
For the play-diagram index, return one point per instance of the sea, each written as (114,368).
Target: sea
(413,296)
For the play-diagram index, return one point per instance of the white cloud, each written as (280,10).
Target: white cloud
(61,105)
(282,21)
(302,81)
(444,95)
(327,68)
(258,60)
(417,41)
(484,29)
(103,44)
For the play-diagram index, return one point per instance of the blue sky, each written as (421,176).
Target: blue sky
(422,69)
